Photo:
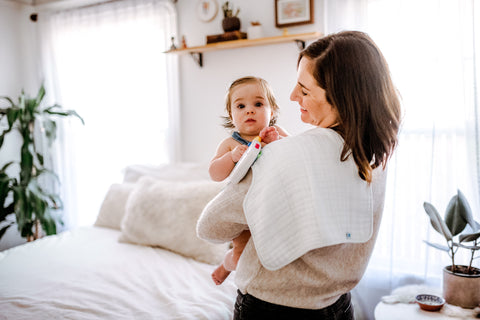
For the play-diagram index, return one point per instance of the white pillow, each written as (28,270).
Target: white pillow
(112,209)
(179,172)
(165,213)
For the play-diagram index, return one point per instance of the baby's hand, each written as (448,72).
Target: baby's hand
(238,152)
(269,134)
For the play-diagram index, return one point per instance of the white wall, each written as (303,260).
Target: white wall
(202,90)
(10,63)
(17,62)
(18,71)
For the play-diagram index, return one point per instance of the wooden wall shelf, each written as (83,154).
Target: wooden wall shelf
(197,52)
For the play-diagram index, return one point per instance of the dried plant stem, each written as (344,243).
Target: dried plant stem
(37,229)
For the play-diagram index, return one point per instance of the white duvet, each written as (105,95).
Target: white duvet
(87,274)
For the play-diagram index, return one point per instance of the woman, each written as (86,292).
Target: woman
(315,201)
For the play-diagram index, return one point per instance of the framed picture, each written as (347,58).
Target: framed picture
(293,12)
(207,10)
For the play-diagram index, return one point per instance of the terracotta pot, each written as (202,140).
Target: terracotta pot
(231,24)
(461,290)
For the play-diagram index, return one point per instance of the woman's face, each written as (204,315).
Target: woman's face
(314,108)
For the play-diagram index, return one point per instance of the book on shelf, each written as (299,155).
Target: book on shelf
(227,36)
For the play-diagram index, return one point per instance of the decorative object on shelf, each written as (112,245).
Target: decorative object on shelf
(207,10)
(230,21)
(461,283)
(184,43)
(293,12)
(255,30)
(172,46)
(33,205)
(227,36)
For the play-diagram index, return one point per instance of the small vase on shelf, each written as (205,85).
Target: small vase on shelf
(231,24)
(255,31)
(230,21)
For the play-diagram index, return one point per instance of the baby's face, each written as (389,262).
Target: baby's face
(251,110)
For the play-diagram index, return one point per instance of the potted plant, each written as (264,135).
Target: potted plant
(24,193)
(230,21)
(461,283)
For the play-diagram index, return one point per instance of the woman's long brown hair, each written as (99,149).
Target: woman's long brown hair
(356,78)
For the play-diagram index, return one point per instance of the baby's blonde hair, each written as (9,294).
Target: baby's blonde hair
(227,120)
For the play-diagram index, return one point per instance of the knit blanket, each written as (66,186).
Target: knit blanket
(302,197)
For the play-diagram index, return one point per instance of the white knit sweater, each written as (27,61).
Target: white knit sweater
(313,281)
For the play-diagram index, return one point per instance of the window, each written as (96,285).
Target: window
(110,67)
(432,47)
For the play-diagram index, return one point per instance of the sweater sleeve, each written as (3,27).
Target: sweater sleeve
(223,219)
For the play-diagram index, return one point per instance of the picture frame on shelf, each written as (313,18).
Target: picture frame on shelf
(207,10)
(290,13)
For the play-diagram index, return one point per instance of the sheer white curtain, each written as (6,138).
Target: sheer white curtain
(432,50)
(106,62)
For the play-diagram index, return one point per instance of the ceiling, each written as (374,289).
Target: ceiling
(39,2)
(57,4)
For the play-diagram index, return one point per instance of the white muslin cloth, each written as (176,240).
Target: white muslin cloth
(302,197)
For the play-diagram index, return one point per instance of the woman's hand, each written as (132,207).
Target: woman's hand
(269,134)
(237,152)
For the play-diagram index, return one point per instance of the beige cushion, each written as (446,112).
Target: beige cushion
(184,171)
(165,213)
(112,209)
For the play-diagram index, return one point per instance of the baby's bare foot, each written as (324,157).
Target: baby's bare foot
(220,274)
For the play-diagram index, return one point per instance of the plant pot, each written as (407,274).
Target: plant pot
(460,289)
(231,24)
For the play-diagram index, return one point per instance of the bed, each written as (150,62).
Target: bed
(140,260)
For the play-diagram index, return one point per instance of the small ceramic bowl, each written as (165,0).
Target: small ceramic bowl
(430,302)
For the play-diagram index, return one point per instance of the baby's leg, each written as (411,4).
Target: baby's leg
(239,243)
(231,258)
(220,274)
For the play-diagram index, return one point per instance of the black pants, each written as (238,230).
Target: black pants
(247,307)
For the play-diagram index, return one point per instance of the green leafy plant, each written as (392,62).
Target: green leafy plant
(228,11)
(458,219)
(24,193)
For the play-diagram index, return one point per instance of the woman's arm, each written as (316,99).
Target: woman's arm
(222,219)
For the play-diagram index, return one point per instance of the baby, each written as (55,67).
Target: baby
(252,111)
